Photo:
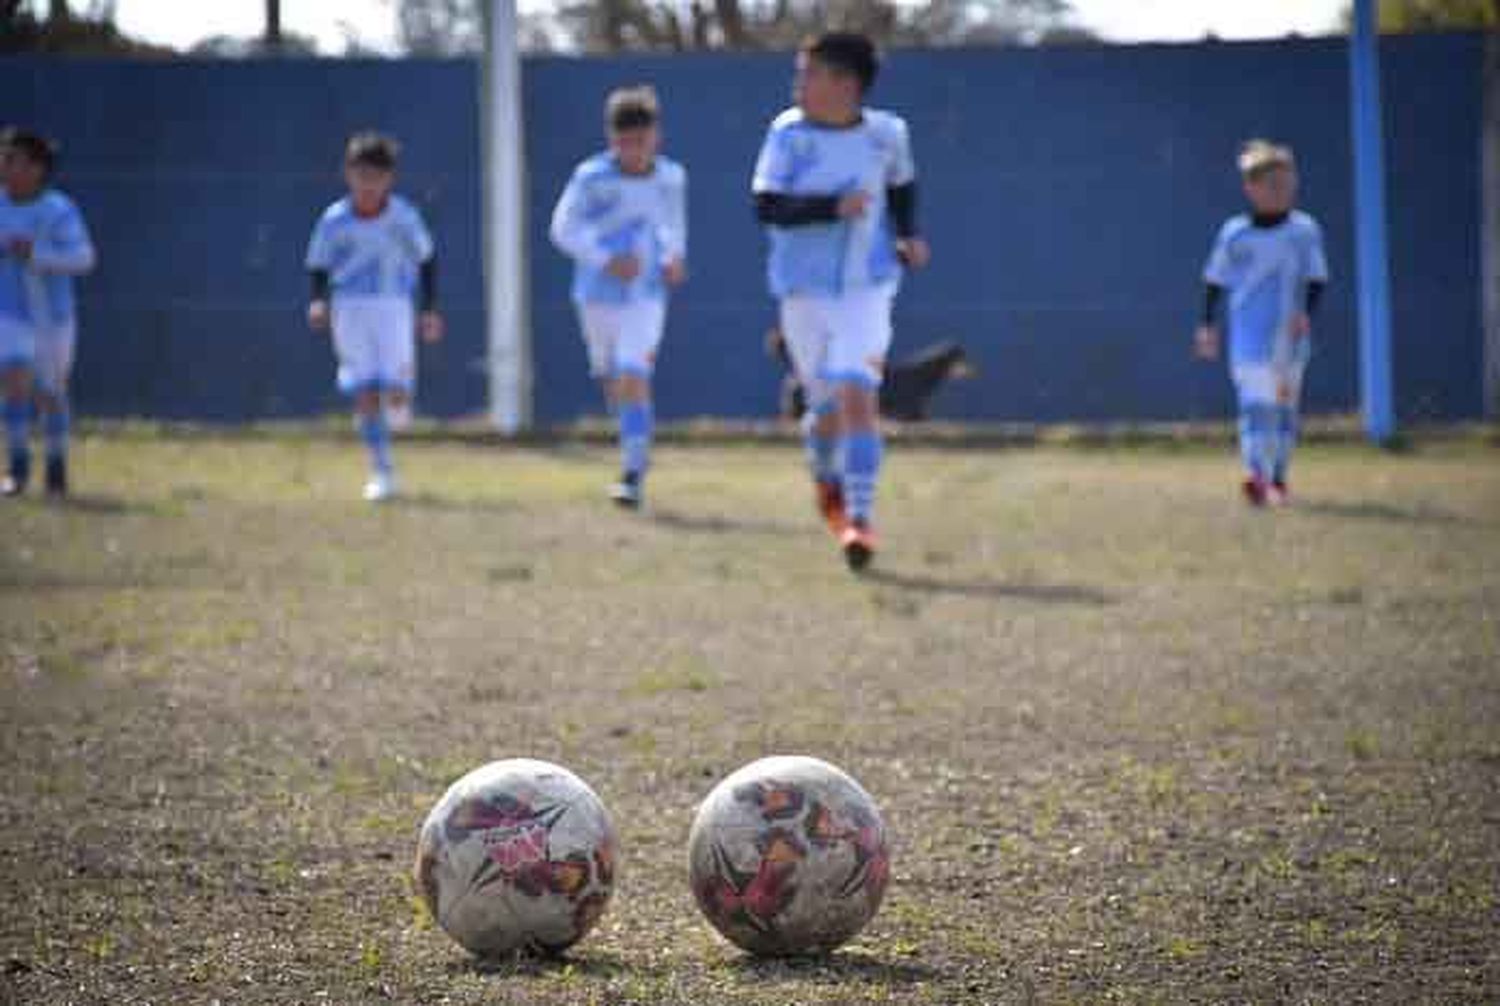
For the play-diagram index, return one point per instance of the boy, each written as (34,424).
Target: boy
(1271,263)
(369,253)
(622,219)
(43,245)
(835,185)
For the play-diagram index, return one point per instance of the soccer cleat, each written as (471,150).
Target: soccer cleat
(858,542)
(627,492)
(1279,493)
(14,484)
(399,415)
(1254,490)
(381,487)
(830,502)
(57,477)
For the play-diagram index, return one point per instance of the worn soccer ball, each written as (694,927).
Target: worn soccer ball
(788,856)
(518,855)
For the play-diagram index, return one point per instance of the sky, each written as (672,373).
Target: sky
(180,23)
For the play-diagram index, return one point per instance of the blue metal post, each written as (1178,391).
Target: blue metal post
(1373,263)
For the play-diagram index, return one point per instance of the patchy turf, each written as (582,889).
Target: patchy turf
(1136,743)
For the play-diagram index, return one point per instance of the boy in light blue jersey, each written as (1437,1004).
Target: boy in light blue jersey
(43,245)
(835,185)
(370,254)
(1270,262)
(622,219)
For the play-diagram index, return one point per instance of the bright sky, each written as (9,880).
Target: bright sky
(180,23)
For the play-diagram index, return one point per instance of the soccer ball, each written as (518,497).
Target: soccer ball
(788,856)
(517,855)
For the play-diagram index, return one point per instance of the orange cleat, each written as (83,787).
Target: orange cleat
(858,543)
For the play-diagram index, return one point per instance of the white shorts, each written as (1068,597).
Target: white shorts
(1270,383)
(46,352)
(375,341)
(838,340)
(622,338)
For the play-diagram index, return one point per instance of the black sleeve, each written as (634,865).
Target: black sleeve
(320,283)
(427,285)
(1315,288)
(782,210)
(1212,294)
(902,200)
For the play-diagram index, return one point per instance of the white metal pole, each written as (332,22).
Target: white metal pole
(506,317)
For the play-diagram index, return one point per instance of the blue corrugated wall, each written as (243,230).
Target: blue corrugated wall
(1070,195)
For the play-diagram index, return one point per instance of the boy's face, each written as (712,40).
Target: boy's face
(368,187)
(824,93)
(635,149)
(23,176)
(1272,191)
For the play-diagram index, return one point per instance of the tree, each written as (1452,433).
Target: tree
(1400,16)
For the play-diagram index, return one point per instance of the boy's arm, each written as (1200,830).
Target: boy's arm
(427,285)
(65,249)
(571,233)
(776,207)
(1213,295)
(779,209)
(674,229)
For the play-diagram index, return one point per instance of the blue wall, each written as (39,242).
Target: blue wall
(1070,195)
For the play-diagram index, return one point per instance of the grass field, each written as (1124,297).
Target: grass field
(1135,743)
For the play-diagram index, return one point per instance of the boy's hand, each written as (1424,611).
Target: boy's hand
(20,248)
(430,326)
(674,271)
(317,315)
(1301,326)
(1206,343)
(913,252)
(853,205)
(624,267)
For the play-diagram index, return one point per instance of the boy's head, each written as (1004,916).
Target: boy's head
(834,70)
(632,117)
(26,160)
(1270,174)
(370,170)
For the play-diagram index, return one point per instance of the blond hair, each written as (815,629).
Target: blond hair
(631,108)
(1259,157)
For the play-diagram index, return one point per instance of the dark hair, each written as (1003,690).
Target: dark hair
(631,108)
(372,150)
(846,52)
(34,146)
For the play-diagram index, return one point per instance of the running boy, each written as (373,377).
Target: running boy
(43,245)
(622,219)
(1271,263)
(370,253)
(835,184)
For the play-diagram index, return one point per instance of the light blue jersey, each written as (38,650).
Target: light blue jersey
(370,256)
(802,158)
(604,212)
(38,293)
(1266,271)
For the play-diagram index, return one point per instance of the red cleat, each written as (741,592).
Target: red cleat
(858,543)
(1255,491)
(831,505)
(1279,494)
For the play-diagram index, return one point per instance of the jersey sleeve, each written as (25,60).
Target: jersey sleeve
(320,245)
(418,237)
(1316,265)
(902,168)
(571,231)
(773,164)
(1216,269)
(65,246)
(673,228)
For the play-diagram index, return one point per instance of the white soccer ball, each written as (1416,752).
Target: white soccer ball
(788,856)
(517,855)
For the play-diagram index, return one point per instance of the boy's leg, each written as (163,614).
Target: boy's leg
(597,325)
(1255,388)
(17,355)
(805,331)
(54,364)
(357,339)
(636,345)
(862,337)
(1288,425)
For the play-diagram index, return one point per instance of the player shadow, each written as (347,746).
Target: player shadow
(447,504)
(529,964)
(1375,510)
(716,523)
(94,503)
(1052,593)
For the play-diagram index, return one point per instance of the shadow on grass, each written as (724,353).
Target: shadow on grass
(834,968)
(526,964)
(445,504)
(1375,510)
(96,503)
(831,969)
(717,524)
(1055,593)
